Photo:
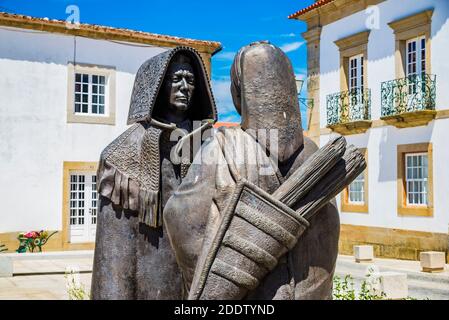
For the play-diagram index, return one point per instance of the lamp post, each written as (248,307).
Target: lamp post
(308,103)
(299,84)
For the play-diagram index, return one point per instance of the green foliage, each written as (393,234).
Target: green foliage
(343,289)
(75,289)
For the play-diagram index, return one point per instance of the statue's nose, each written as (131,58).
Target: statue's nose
(184,84)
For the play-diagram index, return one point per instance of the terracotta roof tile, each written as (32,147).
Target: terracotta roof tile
(103,32)
(225,124)
(313,6)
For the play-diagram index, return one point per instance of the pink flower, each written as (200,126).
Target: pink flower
(31,234)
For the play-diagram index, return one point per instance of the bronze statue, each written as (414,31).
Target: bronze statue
(235,220)
(133,258)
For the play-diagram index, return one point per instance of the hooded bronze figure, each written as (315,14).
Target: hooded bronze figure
(136,176)
(264,92)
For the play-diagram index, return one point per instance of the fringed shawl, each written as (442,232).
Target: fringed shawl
(129,173)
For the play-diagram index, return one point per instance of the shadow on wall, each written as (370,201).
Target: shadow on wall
(54,48)
(392,137)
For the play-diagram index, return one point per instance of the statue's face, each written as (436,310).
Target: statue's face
(180,85)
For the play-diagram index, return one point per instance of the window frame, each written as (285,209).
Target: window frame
(403,207)
(352,207)
(350,47)
(418,56)
(362,192)
(70,167)
(109,73)
(407,179)
(359,72)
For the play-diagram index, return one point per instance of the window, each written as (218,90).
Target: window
(416,56)
(415,179)
(416,175)
(94,200)
(356,190)
(356,72)
(416,64)
(83,207)
(91,94)
(76,199)
(354,197)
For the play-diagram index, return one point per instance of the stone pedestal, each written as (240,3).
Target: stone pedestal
(432,261)
(6,266)
(392,284)
(363,253)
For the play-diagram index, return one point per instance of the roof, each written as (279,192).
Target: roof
(225,124)
(312,7)
(104,32)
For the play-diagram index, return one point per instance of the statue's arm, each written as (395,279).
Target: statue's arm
(189,209)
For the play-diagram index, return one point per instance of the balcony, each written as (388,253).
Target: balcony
(410,101)
(349,112)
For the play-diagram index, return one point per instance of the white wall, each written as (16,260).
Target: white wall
(35,138)
(382,142)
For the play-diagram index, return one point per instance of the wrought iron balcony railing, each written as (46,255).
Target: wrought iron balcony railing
(349,106)
(413,93)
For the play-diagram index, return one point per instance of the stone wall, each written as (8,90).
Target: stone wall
(392,243)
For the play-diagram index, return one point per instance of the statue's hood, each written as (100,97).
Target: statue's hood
(150,77)
(263,87)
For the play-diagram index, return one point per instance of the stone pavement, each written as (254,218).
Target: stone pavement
(38,287)
(44,278)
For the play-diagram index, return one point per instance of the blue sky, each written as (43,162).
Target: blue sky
(233,23)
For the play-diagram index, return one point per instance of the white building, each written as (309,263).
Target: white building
(64,95)
(379,74)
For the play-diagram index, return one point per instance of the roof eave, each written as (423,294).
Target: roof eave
(310,11)
(105,33)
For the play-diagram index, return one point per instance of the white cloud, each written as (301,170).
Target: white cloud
(292,46)
(222,92)
(288,35)
(225,56)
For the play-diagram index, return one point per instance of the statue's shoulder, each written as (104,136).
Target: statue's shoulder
(131,136)
(233,137)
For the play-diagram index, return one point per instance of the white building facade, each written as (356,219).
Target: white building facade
(64,95)
(378,74)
